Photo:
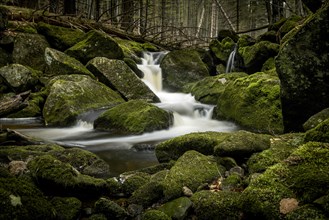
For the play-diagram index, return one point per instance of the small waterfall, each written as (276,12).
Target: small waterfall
(231,59)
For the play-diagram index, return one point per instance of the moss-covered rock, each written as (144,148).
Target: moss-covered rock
(177,208)
(203,142)
(110,209)
(242,144)
(71,95)
(133,66)
(307,212)
(270,36)
(281,147)
(21,199)
(222,49)
(29,50)
(23,27)
(60,38)
(180,67)
(52,175)
(134,117)
(190,170)
(316,119)
(147,194)
(253,102)
(95,44)
(133,181)
(66,208)
(216,205)
(117,75)
(261,199)
(302,70)
(20,78)
(209,89)
(254,56)
(320,133)
(154,214)
(246,40)
(59,63)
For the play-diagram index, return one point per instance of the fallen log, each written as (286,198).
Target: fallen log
(14,103)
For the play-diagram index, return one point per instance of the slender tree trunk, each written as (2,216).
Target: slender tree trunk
(200,20)
(127,14)
(69,7)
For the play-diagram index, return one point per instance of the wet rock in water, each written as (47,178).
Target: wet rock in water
(71,95)
(60,38)
(180,67)
(143,147)
(134,117)
(190,170)
(217,205)
(95,44)
(209,89)
(302,69)
(29,50)
(59,63)
(253,102)
(117,75)
(20,78)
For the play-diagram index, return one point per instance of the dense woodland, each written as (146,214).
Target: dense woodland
(187,22)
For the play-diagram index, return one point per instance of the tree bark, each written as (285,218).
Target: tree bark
(14,103)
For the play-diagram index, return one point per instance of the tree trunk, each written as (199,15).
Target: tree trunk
(127,14)
(69,7)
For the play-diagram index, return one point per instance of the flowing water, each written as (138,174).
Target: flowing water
(125,153)
(231,59)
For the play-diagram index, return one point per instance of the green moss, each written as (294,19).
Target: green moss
(25,27)
(216,205)
(281,147)
(203,142)
(134,117)
(20,199)
(60,38)
(110,209)
(147,194)
(307,212)
(222,49)
(134,181)
(233,182)
(177,208)
(191,170)
(66,208)
(319,133)
(253,102)
(155,214)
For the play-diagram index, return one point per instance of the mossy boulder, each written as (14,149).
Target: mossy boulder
(302,70)
(20,78)
(147,194)
(21,199)
(302,176)
(117,75)
(308,211)
(180,67)
(177,208)
(254,56)
(203,142)
(59,63)
(154,214)
(320,133)
(209,89)
(66,208)
(71,95)
(95,44)
(134,117)
(242,144)
(316,119)
(60,38)
(281,147)
(191,170)
(110,209)
(222,49)
(133,181)
(253,102)
(29,50)
(217,205)
(53,175)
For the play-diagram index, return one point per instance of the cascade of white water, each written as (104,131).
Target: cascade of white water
(231,59)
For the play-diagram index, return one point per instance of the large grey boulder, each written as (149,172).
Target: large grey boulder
(117,75)
(71,95)
(95,44)
(180,67)
(59,63)
(19,78)
(302,66)
(29,50)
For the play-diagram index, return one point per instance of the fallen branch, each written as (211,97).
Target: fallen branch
(14,104)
